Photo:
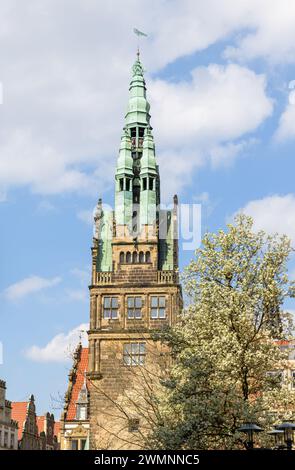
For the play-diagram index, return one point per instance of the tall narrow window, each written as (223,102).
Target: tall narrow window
(158,307)
(121,183)
(134,257)
(134,305)
(151,184)
(128,184)
(293,379)
(133,136)
(141,257)
(74,444)
(110,307)
(122,257)
(134,354)
(128,257)
(148,257)
(144,183)
(81,412)
(140,136)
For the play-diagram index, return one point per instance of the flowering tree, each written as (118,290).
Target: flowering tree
(225,344)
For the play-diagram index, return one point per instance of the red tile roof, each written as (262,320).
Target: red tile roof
(56,428)
(284,342)
(19,414)
(40,423)
(81,369)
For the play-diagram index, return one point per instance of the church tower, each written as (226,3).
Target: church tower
(135,288)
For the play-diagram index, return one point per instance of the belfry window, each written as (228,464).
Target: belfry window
(151,184)
(134,354)
(148,257)
(134,306)
(122,257)
(133,136)
(158,307)
(121,184)
(128,181)
(140,136)
(134,257)
(128,257)
(141,257)
(144,184)
(110,308)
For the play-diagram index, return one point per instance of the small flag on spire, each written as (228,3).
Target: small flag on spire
(139,33)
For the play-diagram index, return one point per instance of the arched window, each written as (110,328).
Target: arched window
(141,257)
(148,257)
(122,257)
(128,257)
(134,257)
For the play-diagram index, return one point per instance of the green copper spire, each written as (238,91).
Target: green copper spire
(148,177)
(125,162)
(148,159)
(124,176)
(138,106)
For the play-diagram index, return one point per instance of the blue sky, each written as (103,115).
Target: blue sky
(219,79)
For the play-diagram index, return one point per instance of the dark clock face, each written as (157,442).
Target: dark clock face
(50,430)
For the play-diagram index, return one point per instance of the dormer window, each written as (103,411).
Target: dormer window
(82,403)
(81,412)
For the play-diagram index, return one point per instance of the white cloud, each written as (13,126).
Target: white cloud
(60,347)
(79,295)
(64,100)
(86,216)
(45,206)
(286,128)
(274,214)
(207,118)
(3,195)
(220,104)
(29,286)
(83,275)
(269,31)
(208,205)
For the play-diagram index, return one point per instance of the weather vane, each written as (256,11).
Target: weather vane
(138,34)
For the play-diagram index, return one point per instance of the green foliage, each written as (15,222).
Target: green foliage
(225,342)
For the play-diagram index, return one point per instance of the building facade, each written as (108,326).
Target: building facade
(74,425)
(48,439)
(24,412)
(8,427)
(135,288)
(286,375)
